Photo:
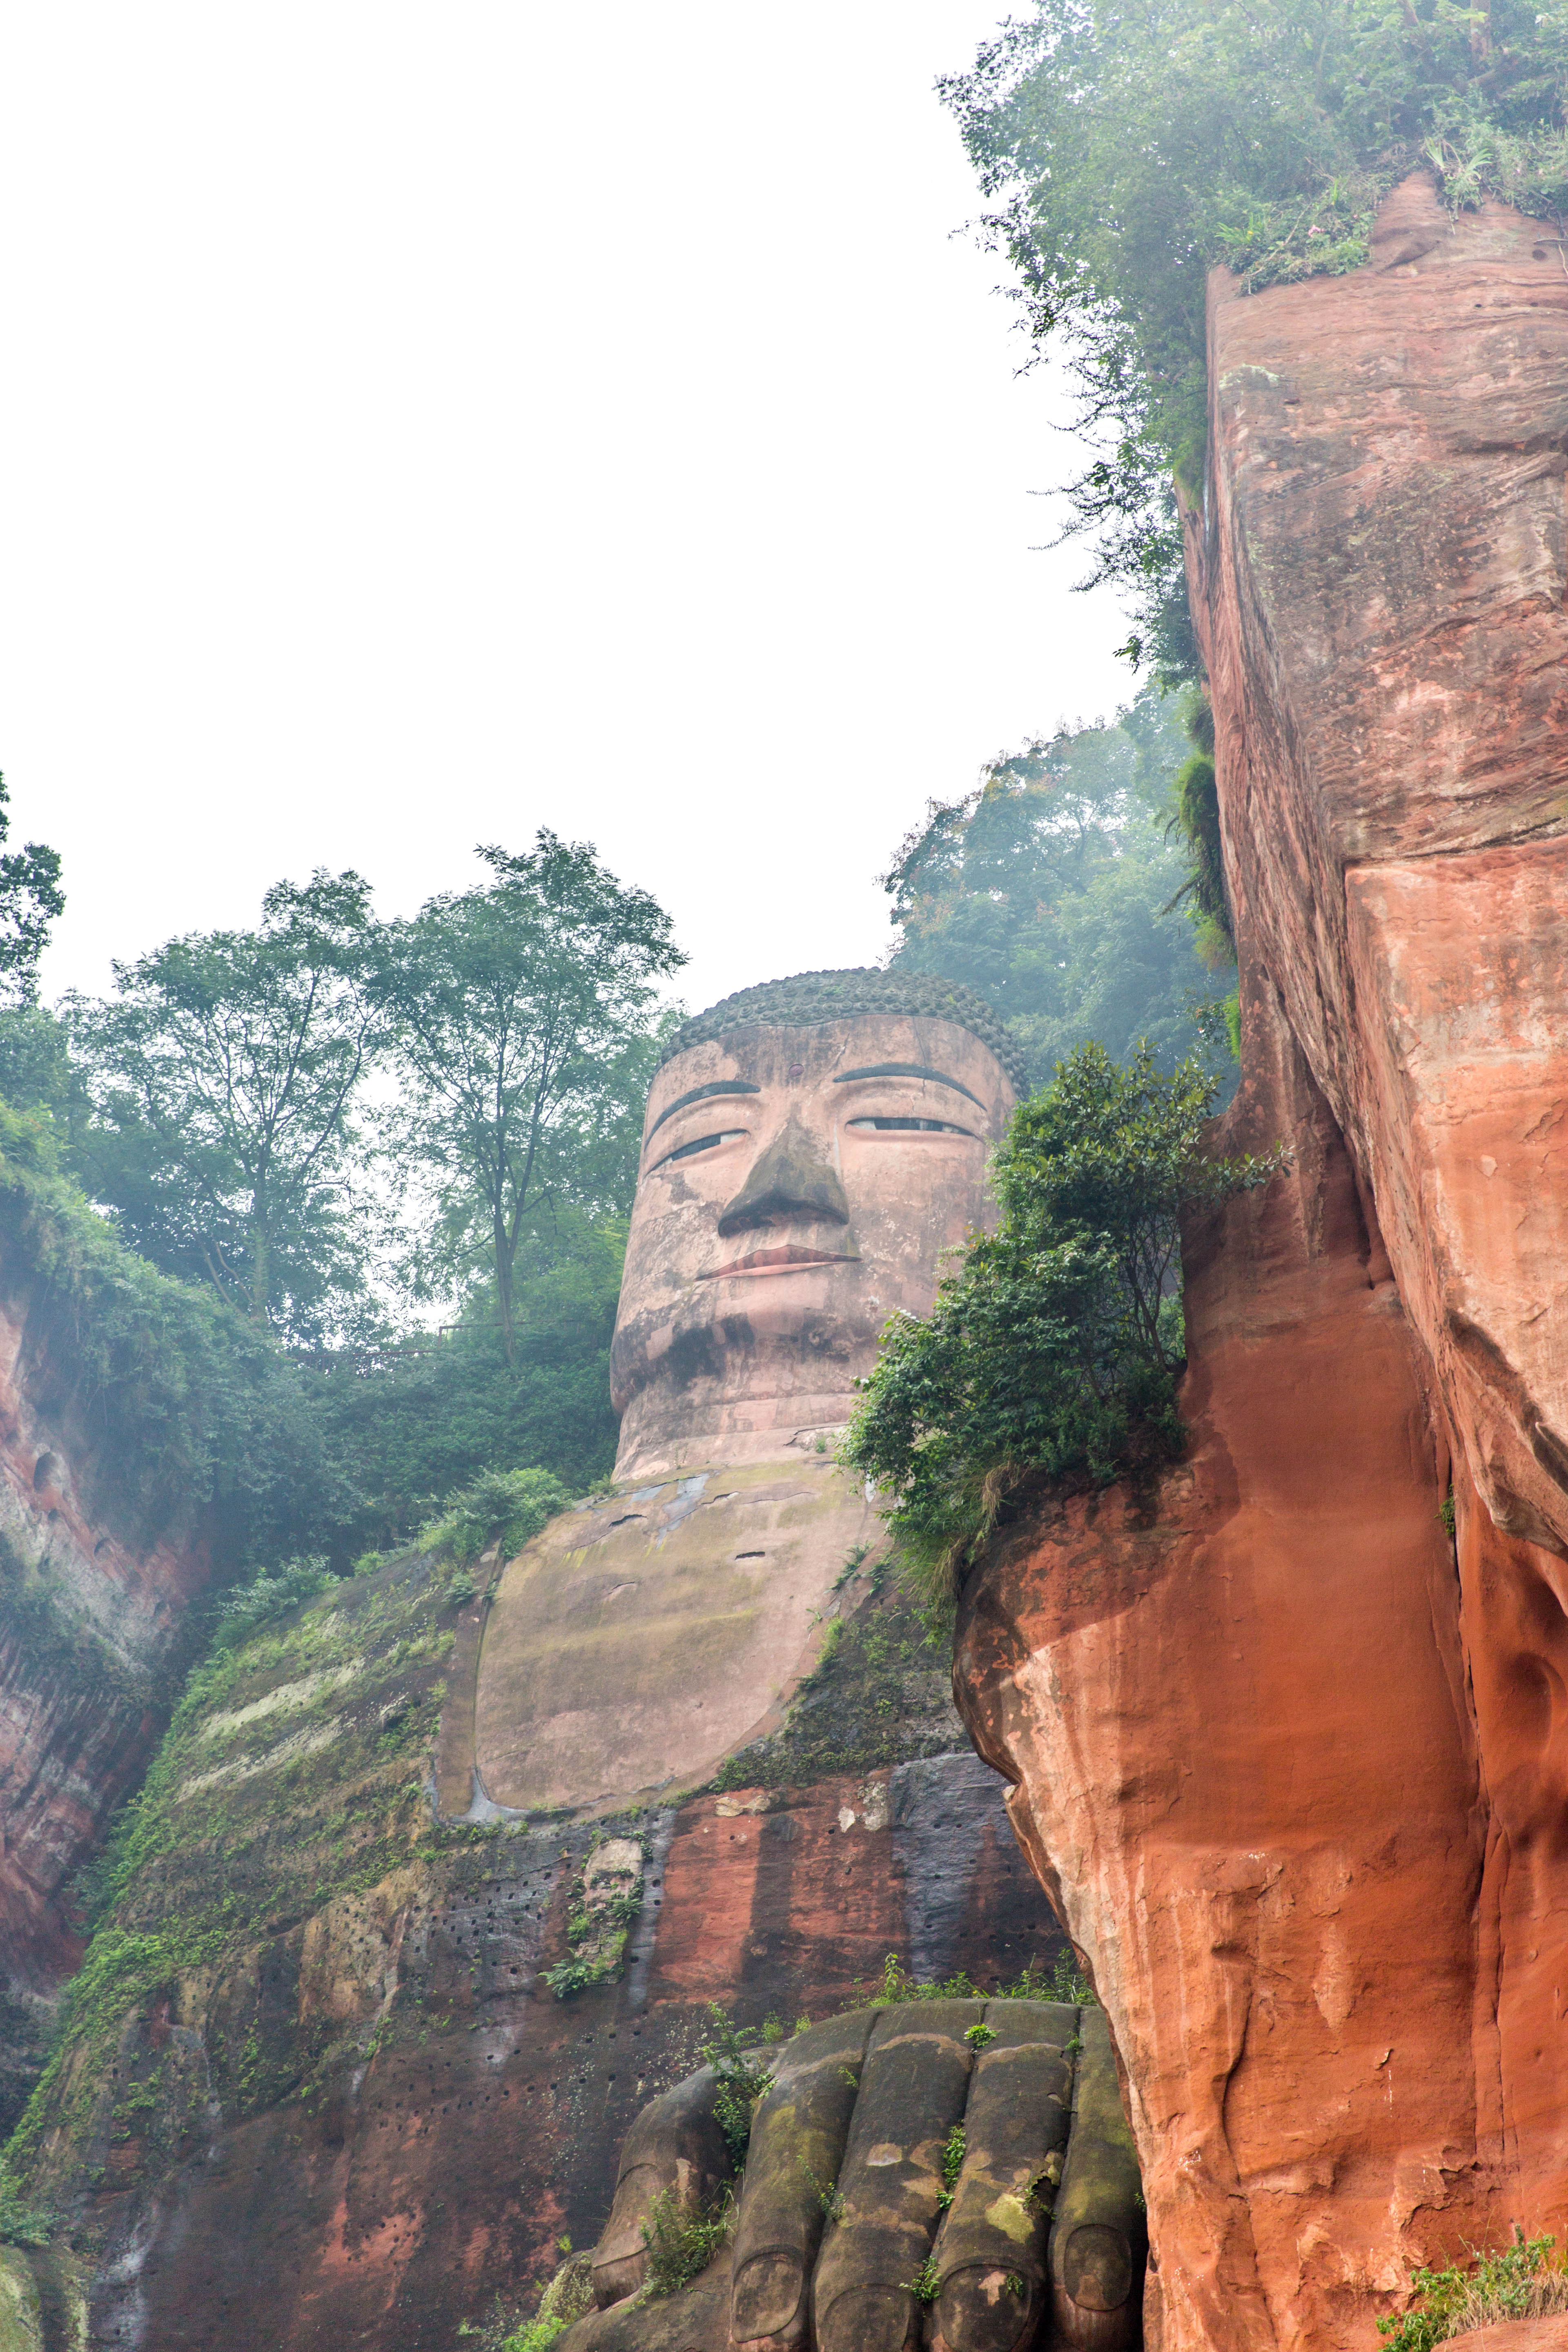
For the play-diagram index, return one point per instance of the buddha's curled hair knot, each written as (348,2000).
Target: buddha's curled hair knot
(812,997)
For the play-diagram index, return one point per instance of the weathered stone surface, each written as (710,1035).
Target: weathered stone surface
(1235,1708)
(92,1616)
(1515,2335)
(339,2103)
(1292,1763)
(1381,587)
(632,1647)
(798,1187)
(899,2188)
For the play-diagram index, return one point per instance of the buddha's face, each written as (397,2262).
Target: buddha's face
(798,1187)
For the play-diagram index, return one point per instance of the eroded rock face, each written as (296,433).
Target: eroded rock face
(92,1615)
(1235,1706)
(1379,584)
(343,2104)
(638,1642)
(1293,1762)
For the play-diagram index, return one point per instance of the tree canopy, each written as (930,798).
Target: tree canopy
(1053,1351)
(31,897)
(1124,150)
(253,1108)
(1053,889)
(521,1015)
(221,1077)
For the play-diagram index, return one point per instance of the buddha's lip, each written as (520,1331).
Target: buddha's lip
(790,1258)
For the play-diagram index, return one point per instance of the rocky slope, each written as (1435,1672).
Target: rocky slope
(316,2085)
(1293,1759)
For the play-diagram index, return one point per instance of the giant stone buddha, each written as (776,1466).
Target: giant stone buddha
(811,1148)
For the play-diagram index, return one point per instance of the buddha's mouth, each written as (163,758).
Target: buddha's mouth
(789,1258)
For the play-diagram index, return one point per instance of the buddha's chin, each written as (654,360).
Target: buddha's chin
(785,1302)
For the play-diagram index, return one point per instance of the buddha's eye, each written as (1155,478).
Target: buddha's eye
(915,1127)
(701,1143)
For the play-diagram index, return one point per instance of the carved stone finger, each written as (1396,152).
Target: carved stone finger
(1098,2235)
(695,2320)
(676,2143)
(990,2251)
(913,2091)
(797,2145)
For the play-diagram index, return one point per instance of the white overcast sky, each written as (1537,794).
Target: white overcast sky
(423,424)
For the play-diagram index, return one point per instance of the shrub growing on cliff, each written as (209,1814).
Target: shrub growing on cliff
(1525,2281)
(502,1506)
(183,1403)
(1053,1351)
(682,2240)
(1126,150)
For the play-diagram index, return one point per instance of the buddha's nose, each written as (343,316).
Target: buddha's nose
(791,1181)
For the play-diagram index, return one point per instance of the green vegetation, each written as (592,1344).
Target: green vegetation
(1069,1985)
(30,898)
(896,1984)
(22,2225)
(682,2240)
(291,1785)
(245,1318)
(880,1694)
(926,2283)
(521,1018)
(1055,888)
(426,1418)
(599,1918)
(1526,2280)
(568,2297)
(1052,1353)
(183,1404)
(954,2149)
(505,1508)
(1123,150)
(741,2082)
(244,1606)
(221,1077)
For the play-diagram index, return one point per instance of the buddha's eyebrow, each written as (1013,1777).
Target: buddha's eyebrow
(701,1094)
(908,1070)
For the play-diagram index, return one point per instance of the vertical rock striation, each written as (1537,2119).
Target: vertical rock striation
(92,1612)
(1234,1705)
(1292,1761)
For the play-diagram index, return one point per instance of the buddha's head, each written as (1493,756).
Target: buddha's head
(811,1148)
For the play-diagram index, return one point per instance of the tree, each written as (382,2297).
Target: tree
(521,1014)
(1052,1353)
(221,1080)
(1126,150)
(30,900)
(1052,890)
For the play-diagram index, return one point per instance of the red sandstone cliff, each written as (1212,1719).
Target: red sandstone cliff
(1295,1765)
(91,1614)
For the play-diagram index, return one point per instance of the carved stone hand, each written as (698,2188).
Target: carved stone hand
(952,2174)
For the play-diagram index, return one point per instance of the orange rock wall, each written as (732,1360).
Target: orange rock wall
(1295,1762)
(1380,578)
(1235,1705)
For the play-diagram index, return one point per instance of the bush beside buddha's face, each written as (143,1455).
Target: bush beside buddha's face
(798,1186)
